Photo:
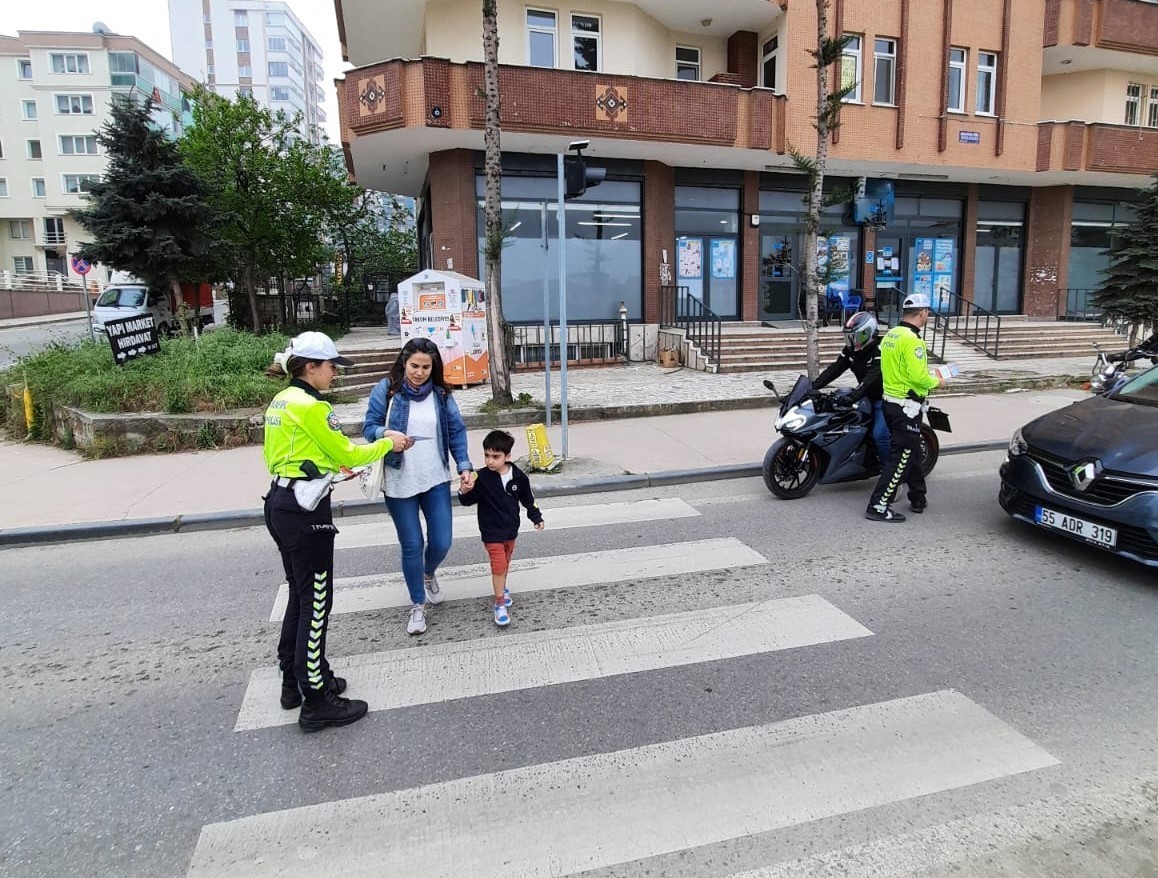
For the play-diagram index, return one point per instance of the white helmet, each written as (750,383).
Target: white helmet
(860,329)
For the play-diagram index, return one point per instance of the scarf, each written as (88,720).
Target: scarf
(416,394)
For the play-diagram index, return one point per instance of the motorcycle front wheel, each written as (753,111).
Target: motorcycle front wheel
(785,474)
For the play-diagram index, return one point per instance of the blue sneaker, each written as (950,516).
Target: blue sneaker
(502,617)
(507,596)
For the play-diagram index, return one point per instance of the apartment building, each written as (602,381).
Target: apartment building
(253,47)
(55,92)
(1003,140)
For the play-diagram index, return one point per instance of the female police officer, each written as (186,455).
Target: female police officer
(303,439)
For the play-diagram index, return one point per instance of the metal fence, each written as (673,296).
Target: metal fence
(678,308)
(588,344)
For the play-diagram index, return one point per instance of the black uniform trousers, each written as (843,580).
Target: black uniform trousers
(306,542)
(904,464)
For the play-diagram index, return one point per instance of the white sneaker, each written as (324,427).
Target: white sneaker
(433,592)
(417,622)
(502,617)
(507,596)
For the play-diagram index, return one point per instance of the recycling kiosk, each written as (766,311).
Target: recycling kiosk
(449,309)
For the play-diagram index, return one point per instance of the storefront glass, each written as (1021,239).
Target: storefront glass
(1091,240)
(707,222)
(604,251)
(998,260)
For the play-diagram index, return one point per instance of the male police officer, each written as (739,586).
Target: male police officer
(907,381)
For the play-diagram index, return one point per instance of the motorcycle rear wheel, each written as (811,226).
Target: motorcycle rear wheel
(785,475)
(930,450)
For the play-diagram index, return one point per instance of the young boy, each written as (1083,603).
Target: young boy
(498,490)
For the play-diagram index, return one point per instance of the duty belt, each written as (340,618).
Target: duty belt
(284,481)
(897,401)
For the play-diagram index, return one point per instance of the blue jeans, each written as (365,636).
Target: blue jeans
(881,431)
(435,507)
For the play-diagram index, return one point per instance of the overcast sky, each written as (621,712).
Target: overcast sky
(148,21)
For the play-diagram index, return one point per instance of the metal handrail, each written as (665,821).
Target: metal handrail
(680,309)
(960,317)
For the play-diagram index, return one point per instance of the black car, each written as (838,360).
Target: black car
(1090,471)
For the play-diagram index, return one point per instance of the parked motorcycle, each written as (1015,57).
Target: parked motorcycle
(1107,377)
(823,442)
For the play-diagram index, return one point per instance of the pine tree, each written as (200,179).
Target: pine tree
(1130,290)
(147,214)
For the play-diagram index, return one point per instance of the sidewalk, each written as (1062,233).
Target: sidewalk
(51,490)
(11,322)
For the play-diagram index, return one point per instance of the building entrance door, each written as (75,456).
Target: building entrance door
(778,276)
(708,267)
(997,271)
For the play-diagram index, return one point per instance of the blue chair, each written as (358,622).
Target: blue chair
(850,307)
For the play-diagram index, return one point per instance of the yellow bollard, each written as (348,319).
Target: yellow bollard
(542,458)
(29,416)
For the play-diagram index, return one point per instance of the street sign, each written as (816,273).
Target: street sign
(132,337)
(81,266)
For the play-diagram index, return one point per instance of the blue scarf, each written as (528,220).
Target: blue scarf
(416,394)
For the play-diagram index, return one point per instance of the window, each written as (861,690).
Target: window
(74,183)
(3,187)
(884,71)
(78,144)
(24,68)
(687,63)
(278,68)
(39,190)
(277,44)
(1133,103)
(957,60)
(34,150)
(1152,108)
(240,18)
(68,63)
(245,70)
(585,39)
(53,230)
(74,105)
(986,83)
(243,45)
(23,264)
(20,229)
(541,38)
(29,110)
(245,91)
(768,61)
(279,93)
(850,71)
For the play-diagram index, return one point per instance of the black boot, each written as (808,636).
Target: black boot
(328,708)
(291,695)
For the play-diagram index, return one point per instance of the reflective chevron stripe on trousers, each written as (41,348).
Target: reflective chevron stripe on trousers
(306,542)
(904,461)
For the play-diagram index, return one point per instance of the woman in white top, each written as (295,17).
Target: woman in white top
(416,400)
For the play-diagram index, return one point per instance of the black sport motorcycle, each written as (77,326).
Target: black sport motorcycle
(823,442)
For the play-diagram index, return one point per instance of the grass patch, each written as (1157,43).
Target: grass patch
(522,401)
(225,371)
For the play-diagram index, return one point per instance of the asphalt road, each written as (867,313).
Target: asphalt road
(16,341)
(975,698)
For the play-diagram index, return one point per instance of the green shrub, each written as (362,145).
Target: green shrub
(224,371)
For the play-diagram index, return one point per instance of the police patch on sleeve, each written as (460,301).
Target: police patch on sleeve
(332,420)
(919,352)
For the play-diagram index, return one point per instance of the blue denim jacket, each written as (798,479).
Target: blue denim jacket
(451,433)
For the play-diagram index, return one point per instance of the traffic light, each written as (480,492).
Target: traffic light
(578,178)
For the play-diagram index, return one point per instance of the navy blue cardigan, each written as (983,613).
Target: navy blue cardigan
(498,509)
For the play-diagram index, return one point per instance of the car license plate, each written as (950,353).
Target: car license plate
(1087,530)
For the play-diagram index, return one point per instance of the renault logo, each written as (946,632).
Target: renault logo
(1084,474)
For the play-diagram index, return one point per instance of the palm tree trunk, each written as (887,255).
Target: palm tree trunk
(493,209)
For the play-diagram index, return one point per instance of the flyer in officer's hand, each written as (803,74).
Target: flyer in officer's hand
(944,373)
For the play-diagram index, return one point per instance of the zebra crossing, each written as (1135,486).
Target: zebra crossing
(620,806)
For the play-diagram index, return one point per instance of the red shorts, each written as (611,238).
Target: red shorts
(500,556)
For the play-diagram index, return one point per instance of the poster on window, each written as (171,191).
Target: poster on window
(691,258)
(833,263)
(724,260)
(933,270)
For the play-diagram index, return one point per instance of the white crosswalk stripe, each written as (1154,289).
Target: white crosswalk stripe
(381,533)
(626,805)
(406,677)
(361,593)
(637,803)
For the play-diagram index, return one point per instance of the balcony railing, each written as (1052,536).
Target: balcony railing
(1123,25)
(1096,146)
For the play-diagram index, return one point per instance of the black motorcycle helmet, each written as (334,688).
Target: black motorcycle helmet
(860,329)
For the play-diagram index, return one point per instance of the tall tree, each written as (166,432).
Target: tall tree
(1130,290)
(147,215)
(271,188)
(827,53)
(493,208)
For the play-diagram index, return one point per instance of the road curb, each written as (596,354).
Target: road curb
(210,521)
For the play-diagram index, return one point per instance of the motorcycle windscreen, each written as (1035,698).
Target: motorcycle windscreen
(800,390)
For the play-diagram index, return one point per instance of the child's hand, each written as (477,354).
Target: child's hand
(540,525)
(465,487)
